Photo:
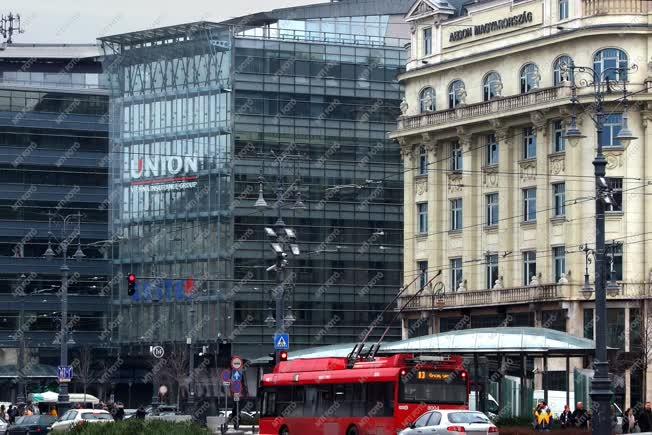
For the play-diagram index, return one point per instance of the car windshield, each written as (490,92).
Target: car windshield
(96,416)
(467,417)
(35,419)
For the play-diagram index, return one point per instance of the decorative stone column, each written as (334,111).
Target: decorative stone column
(509,204)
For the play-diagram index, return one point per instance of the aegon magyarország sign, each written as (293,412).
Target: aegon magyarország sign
(480,29)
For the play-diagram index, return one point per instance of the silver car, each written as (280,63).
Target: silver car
(449,421)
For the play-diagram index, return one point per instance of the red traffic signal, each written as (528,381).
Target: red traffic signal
(131,284)
(283,356)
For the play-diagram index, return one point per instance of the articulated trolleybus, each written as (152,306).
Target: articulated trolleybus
(378,396)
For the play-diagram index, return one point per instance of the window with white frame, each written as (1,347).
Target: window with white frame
(529,266)
(456,94)
(529,143)
(530,77)
(615,186)
(562,63)
(456,214)
(610,64)
(559,257)
(456,273)
(492,209)
(492,149)
(612,125)
(427,41)
(614,253)
(422,267)
(492,86)
(491,261)
(427,100)
(563,9)
(422,218)
(530,204)
(559,198)
(423,161)
(456,157)
(559,139)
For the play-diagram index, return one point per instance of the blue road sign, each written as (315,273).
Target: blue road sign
(236,376)
(236,387)
(226,375)
(64,374)
(282,342)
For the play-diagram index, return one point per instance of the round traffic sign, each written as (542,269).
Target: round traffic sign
(226,375)
(163,389)
(158,352)
(236,387)
(236,363)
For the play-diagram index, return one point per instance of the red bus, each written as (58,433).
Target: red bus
(379,397)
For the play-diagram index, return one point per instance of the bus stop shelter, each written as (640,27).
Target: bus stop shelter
(521,352)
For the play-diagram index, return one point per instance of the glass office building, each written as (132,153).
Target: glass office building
(53,149)
(198,113)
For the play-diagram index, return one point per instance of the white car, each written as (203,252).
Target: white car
(451,421)
(3,426)
(81,416)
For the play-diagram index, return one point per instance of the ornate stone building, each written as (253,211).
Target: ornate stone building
(495,196)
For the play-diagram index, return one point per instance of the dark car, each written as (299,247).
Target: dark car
(32,424)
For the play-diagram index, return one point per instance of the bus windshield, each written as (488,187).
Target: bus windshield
(434,387)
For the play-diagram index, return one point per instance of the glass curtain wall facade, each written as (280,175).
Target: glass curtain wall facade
(171,182)
(53,142)
(198,92)
(331,104)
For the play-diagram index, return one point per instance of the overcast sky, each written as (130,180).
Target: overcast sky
(82,21)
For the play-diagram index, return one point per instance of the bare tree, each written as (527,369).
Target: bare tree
(176,369)
(84,368)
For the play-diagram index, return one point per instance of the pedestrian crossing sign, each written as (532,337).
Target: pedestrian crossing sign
(282,342)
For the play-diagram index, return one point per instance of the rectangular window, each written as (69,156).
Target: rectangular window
(456,214)
(560,141)
(423,161)
(530,205)
(529,143)
(614,252)
(529,266)
(588,323)
(422,266)
(492,269)
(615,186)
(612,125)
(492,150)
(422,214)
(427,41)
(559,256)
(456,273)
(563,9)
(492,209)
(559,198)
(456,157)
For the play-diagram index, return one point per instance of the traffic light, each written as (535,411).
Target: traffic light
(283,356)
(131,284)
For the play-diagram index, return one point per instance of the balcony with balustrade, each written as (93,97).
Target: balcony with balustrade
(613,7)
(535,294)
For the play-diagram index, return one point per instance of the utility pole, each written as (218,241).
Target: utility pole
(603,81)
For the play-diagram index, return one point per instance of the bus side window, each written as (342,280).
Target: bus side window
(298,398)
(358,408)
(284,404)
(310,404)
(324,399)
(269,404)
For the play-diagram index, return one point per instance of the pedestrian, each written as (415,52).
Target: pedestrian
(120,412)
(566,418)
(53,411)
(542,417)
(629,422)
(645,418)
(3,412)
(11,414)
(140,412)
(580,416)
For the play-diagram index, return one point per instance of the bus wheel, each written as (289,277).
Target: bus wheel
(284,431)
(352,430)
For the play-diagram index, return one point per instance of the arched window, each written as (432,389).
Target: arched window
(492,86)
(427,100)
(456,94)
(530,77)
(561,70)
(606,63)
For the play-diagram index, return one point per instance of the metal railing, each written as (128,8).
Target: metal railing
(520,295)
(613,7)
(327,37)
(498,105)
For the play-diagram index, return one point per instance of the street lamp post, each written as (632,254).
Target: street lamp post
(281,236)
(191,355)
(603,82)
(63,402)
